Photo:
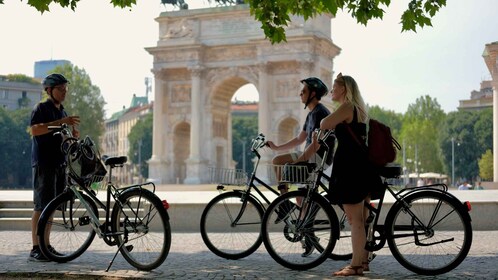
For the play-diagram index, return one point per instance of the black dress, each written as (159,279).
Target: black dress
(352,177)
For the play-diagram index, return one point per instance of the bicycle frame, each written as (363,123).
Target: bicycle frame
(257,144)
(399,196)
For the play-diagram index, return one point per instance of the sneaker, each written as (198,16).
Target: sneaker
(283,211)
(308,245)
(36,256)
(53,251)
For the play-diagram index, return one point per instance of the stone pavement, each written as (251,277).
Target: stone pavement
(190,259)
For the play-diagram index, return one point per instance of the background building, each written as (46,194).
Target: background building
(43,67)
(16,94)
(479,99)
(115,140)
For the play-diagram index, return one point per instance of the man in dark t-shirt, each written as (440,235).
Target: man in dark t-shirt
(311,93)
(47,159)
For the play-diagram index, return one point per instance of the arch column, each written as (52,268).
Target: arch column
(264,100)
(490,56)
(495,129)
(158,162)
(194,162)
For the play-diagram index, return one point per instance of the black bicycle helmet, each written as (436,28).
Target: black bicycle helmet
(316,85)
(53,80)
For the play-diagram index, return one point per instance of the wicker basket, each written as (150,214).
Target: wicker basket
(296,174)
(226,176)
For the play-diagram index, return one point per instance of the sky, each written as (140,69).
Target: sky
(393,69)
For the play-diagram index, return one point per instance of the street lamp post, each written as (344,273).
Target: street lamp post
(243,154)
(140,160)
(453,161)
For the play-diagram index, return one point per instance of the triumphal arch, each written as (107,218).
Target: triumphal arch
(202,57)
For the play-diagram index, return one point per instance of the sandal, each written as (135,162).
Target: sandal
(350,271)
(365,266)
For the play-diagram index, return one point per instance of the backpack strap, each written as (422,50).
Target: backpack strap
(355,137)
(355,120)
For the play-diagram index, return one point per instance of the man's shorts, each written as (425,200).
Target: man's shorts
(314,159)
(48,182)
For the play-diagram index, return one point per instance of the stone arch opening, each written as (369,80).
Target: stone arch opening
(181,143)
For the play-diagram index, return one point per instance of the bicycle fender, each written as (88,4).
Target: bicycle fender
(449,195)
(153,194)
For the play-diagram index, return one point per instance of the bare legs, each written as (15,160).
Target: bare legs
(34,227)
(356,217)
(279,161)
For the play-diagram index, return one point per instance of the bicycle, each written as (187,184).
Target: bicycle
(138,223)
(428,230)
(231,222)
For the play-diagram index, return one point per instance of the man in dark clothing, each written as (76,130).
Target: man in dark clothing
(47,159)
(311,93)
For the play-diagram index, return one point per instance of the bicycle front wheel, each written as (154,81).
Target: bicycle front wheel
(143,226)
(343,249)
(223,234)
(65,227)
(297,234)
(429,233)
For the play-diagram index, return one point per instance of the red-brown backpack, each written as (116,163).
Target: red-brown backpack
(381,145)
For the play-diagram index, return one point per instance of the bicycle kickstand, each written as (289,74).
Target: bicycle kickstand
(116,254)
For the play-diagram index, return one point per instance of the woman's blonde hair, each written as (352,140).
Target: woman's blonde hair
(353,96)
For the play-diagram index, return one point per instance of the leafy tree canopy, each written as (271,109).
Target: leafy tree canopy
(274,15)
(486,166)
(19,78)
(85,100)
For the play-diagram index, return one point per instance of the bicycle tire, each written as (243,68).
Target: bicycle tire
(445,243)
(343,249)
(145,238)
(221,236)
(66,226)
(284,240)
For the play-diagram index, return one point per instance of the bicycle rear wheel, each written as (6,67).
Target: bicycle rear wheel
(144,226)
(435,239)
(64,228)
(343,249)
(305,237)
(225,237)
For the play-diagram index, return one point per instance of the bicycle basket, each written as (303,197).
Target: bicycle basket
(298,174)
(84,162)
(225,176)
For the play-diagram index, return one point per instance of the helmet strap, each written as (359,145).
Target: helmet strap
(310,98)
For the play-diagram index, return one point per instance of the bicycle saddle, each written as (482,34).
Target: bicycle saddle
(390,171)
(115,160)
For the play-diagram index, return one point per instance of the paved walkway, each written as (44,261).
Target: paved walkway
(190,259)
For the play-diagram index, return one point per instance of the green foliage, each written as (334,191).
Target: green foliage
(274,15)
(85,100)
(244,129)
(43,5)
(420,135)
(469,145)
(486,166)
(19,78)
(16,148)
(141,135)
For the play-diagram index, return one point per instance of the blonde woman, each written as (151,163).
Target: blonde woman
(352,180)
